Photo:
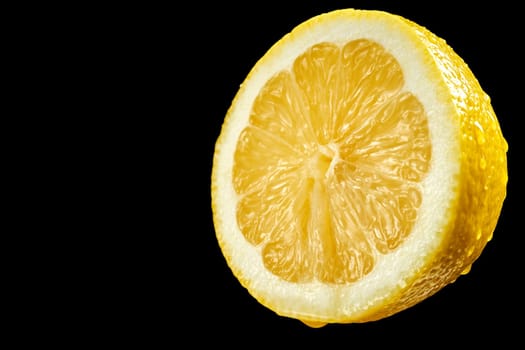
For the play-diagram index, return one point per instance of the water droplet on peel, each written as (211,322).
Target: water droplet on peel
(314,324)
(470,251)
(480,133)
(466,270)
(482,163)
(478,234)
(490,237)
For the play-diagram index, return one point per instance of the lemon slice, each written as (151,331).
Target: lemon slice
(359,170)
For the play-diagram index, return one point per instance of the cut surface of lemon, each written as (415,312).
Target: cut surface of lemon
(359,170)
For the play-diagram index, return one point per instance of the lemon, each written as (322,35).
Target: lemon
(359,170)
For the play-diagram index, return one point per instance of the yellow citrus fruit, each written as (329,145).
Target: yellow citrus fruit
(359,170)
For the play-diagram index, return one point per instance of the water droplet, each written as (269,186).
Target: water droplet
(478,234)
(466,270)
(314,324)
(482,163)
(490,237)
(470,251)
(480,133)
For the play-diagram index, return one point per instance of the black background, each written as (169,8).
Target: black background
(483,305)
(141,91)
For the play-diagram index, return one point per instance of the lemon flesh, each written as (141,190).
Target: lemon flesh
(328,169)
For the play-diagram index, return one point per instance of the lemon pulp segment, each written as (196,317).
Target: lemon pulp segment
(328,169)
